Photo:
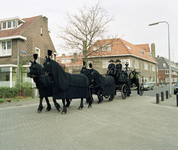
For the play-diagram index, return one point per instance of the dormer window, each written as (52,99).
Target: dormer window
(142,52)
(106,47)
(95,48)
(128,47)
(11,23)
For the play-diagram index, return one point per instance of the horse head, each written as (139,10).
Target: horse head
(35,68)
(47,69)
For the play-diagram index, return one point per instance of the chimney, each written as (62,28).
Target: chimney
(75,57)
(63,55)
(153,50)
(46,21)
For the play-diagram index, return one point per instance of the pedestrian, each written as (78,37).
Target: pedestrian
(161,83)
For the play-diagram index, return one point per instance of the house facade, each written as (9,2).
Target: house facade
(73,63)
(163,70)
(19,40)
(138,57)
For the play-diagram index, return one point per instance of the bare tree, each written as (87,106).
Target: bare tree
(84,28)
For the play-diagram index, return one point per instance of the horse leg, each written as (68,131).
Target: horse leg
(56,104)
(68,102)
(111,97)
(100,97)
(81,104)
(64,107)
(48,104)
(40,107)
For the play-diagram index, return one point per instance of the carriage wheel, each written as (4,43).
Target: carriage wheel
(140,90)
(124,91)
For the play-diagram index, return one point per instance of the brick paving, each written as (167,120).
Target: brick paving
(137,123)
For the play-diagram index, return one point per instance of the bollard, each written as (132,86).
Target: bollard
(162,96)
(177,98)
(166,94)
(157,98)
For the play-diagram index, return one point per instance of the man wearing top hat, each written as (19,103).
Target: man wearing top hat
(111,67)
(118,67)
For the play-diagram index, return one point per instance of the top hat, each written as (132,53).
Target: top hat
(90,65)
(111,60)
(49,52)
(35,56)
(118,60)
(83,63)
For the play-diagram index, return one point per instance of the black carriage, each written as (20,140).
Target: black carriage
(126,81)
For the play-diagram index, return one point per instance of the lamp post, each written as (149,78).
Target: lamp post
(168,52)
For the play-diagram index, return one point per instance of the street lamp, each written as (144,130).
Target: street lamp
(169,53)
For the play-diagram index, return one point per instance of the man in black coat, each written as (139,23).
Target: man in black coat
(118,67)
(111,67)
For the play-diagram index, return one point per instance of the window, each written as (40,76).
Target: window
(106,48)
(66,60)
(164,65)
(41,31)
(5,48)
(4,25)
(95,48)
(153,67)
(128,47)
(37,51)
(142,52)
(145,66)
(136,64)
(14,23)
(105,63)
(9,24)
(124,61)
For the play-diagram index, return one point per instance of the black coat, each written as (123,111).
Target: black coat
(111,66)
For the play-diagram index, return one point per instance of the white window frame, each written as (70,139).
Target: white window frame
(12,24)
(153,67)
(66,60)
(105,63)
(6,51)
(123,62)
(37,51)
(106,48)
(145,66)
(95,48)
(136,64)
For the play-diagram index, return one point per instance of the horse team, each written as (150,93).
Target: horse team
(53,81)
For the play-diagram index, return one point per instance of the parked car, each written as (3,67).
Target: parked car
(176,88)
(148,86)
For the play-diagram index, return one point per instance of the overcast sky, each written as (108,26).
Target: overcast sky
(131,19)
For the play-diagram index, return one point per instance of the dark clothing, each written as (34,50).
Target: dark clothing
(111,69)
(118,67)
(111,66)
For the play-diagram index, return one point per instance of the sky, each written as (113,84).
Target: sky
(131,19)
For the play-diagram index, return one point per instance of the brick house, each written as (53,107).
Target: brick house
(139,57)
(73,63)
(19,40)
(163,70)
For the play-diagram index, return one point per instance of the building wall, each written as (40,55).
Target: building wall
(149,75)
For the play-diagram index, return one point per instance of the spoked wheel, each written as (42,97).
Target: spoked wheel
(140,90)
(124,91)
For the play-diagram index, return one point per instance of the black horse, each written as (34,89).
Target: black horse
(43,84)
(65,85)
(99,84)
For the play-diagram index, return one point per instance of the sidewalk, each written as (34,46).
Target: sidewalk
(136,123)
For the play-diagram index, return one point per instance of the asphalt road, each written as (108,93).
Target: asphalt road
(156,90)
